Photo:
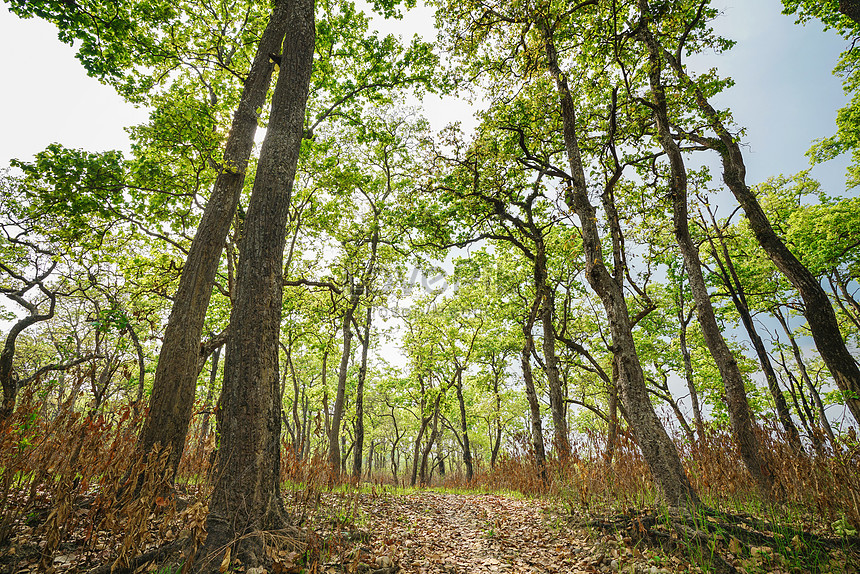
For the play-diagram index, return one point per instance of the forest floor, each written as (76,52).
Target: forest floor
(436,532)
(383,531)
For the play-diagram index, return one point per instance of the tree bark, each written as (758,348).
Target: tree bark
(556,397)
(740,416)
(531,393)
(175,380)
(850,8)
(738,295)
(334,457)
(246,494)
(362,372)
(359,396)
(817,307)
(657,448)
(464,428)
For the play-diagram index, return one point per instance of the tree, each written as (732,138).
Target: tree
(174,386)
(743,423)
(246,495)
(818,309)
(472,28)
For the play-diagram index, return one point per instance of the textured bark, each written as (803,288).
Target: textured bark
(850,8)
(657,448)
(176,373)
(740,416)
(817,307)
(736,291)
(246,494)
(531,394)
(545,300)
(334,451)
(556,397)
(464,429)
(359,398)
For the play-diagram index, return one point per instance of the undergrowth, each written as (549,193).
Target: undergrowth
(72,479)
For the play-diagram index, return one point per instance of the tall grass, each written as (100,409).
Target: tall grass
(67,478)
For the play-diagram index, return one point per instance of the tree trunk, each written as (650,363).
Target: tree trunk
(684,321)
(738,295)
(334,457)
(556,396)
(359,400)
(657,448)
(246,494)
(818,309)
(850,8)
(424,421)
(531,393)
(423,478)
(175,380)
(8,381)
(496,441)
(464,428)
(740,416)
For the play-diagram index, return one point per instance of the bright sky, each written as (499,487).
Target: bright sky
(785,93)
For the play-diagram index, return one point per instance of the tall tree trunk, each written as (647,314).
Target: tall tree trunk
(423,477)
(365,347)
(736,291)
(359,397)
(246,494)
(424,420)
(804,376)
(496,434)
(176,373)
(464,428)
(531,393)
(657,448)
(817,307)
(740,416)
(556,397)
(684,321)
(334,451)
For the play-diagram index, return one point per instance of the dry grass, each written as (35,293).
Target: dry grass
(75,479)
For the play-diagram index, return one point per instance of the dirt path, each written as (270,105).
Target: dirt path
(434,533)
